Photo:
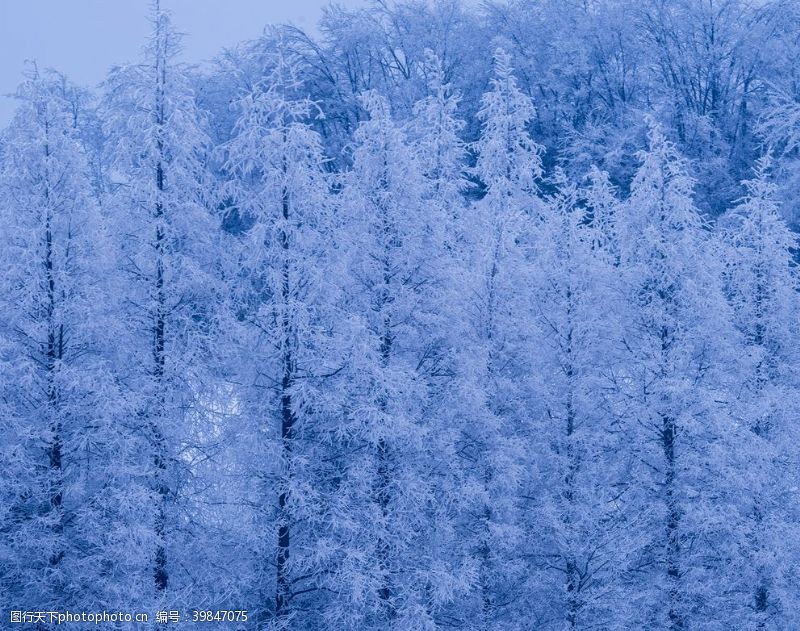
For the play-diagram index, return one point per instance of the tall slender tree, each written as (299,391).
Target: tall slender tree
(434,133)
(281,188)
(508,164)
(762,284)
(156,147)
(51,259)
(390,263)
(670,380)
(574,526)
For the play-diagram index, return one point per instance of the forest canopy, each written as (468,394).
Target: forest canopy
(447,315)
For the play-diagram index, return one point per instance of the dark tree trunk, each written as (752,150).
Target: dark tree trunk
(484,548)
(288,419)
(573,578)
(157,415)
(159,446)
(53,355)
(383,492)
(673,549)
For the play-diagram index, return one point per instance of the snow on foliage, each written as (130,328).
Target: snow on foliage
(447,318)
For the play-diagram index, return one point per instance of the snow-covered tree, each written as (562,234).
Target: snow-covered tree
(435,133)
(287,305)
(339,330)
(669,382)
(508,165)
(762,286)
(573,525)
(388,574)
(164,247)
(509,161)
(601,201)
(58,441)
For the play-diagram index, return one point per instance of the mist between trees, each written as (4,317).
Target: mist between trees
(446,318)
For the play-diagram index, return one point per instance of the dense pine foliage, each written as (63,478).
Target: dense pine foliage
(444,318)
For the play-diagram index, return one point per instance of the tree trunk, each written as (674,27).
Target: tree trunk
(383,492)
(573,579)
(283,583)
(158,443)
(54,354)
(157,415)
(484,548)
(673,549)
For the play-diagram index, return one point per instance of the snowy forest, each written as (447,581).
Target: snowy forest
(447,315)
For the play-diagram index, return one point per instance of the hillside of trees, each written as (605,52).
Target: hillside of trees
(447,316)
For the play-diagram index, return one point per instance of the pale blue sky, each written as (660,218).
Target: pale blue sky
(83,38)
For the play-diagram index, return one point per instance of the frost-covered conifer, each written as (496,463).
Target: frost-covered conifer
(59,443)
(287,304)
(386,575)
(164,248)
(508,165)
(762,286)
(671,381)
(342,334)
(573,523)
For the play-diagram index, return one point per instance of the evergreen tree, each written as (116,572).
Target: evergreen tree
(761,283)
(435,133)
(575,525)
(400,366)
(669,381)
(58,442)
(164,247)
(386,486)
(288,305)
(507,164)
